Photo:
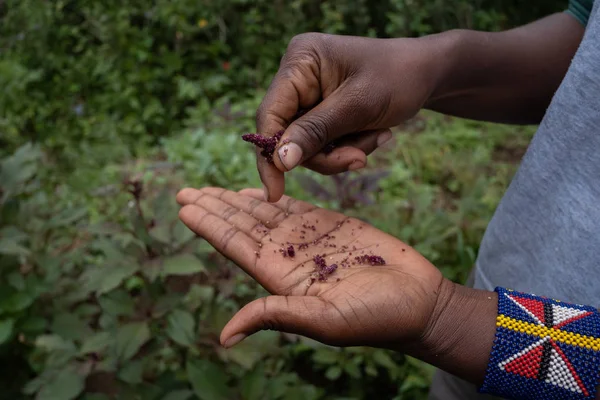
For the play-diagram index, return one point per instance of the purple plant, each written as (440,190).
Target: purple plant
(348,190)
(266,143)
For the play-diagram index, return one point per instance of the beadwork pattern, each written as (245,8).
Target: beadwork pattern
(544,349)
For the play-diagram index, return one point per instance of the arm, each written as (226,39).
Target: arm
(462,333)
(506,76)
(356,88)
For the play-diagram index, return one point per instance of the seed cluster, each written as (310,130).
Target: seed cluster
(370,259)
(322,270)
(346,256)
(266,143)
(288,251)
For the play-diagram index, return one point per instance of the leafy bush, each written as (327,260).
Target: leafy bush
(77,74)
(105,294)
(108,108)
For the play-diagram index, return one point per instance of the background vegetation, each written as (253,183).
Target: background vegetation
(108,108)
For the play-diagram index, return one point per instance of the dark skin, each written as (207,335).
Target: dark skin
(357,88)
(405,305)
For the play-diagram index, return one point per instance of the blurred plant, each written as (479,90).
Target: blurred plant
(347,190)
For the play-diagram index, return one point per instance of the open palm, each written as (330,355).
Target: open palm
(356,303)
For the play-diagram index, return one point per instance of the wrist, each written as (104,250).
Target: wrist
(443,55)
(460,333)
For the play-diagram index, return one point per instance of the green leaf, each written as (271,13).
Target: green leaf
(69,326)
(326,356)
(96,343)
(352,370)
(184,264)
(130,338)
(208,380)
(33,325)
(162,233)
(117,303)
(251,350)
(198,295)
(17,302)
(254,384)
(66,385)
(6,328)
(132,372)
(182,234)
(333,372)
(54,343)
(183,394)
(383,358)
(11,247)
(371,370)
(114,276)
(180,327)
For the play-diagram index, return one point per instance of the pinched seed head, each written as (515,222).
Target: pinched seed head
(266,143)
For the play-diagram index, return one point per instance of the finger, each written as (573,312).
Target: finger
(271,177)
(350,153)
(266,213)
(188,196)
(340,160)
(295,86)
(225,238)
(287,204)
(234,216)
(367,141)
(336,116)
(304,315)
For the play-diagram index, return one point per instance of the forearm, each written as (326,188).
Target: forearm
(462,333)
(508,76)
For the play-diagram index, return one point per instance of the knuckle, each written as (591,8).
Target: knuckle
(303,39)
(313,132)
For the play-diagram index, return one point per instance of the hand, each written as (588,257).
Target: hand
(354,88)
(392,305)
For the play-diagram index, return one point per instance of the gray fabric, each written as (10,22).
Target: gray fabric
(545,235)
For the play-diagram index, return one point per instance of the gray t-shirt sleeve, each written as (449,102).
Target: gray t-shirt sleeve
(544,237)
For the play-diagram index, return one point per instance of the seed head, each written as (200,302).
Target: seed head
(266,143)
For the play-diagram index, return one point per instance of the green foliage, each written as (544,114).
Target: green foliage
(81,75)
(105,293)
(109,108)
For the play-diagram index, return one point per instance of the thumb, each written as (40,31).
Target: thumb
(303,315)
(336,116)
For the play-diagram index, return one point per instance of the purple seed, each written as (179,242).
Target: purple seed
(290,251)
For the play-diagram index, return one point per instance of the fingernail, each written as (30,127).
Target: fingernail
(235,339)
(383,138)
(355,165)
(290,155)
(266,193)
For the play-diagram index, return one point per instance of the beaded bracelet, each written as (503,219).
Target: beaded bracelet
(544,349)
